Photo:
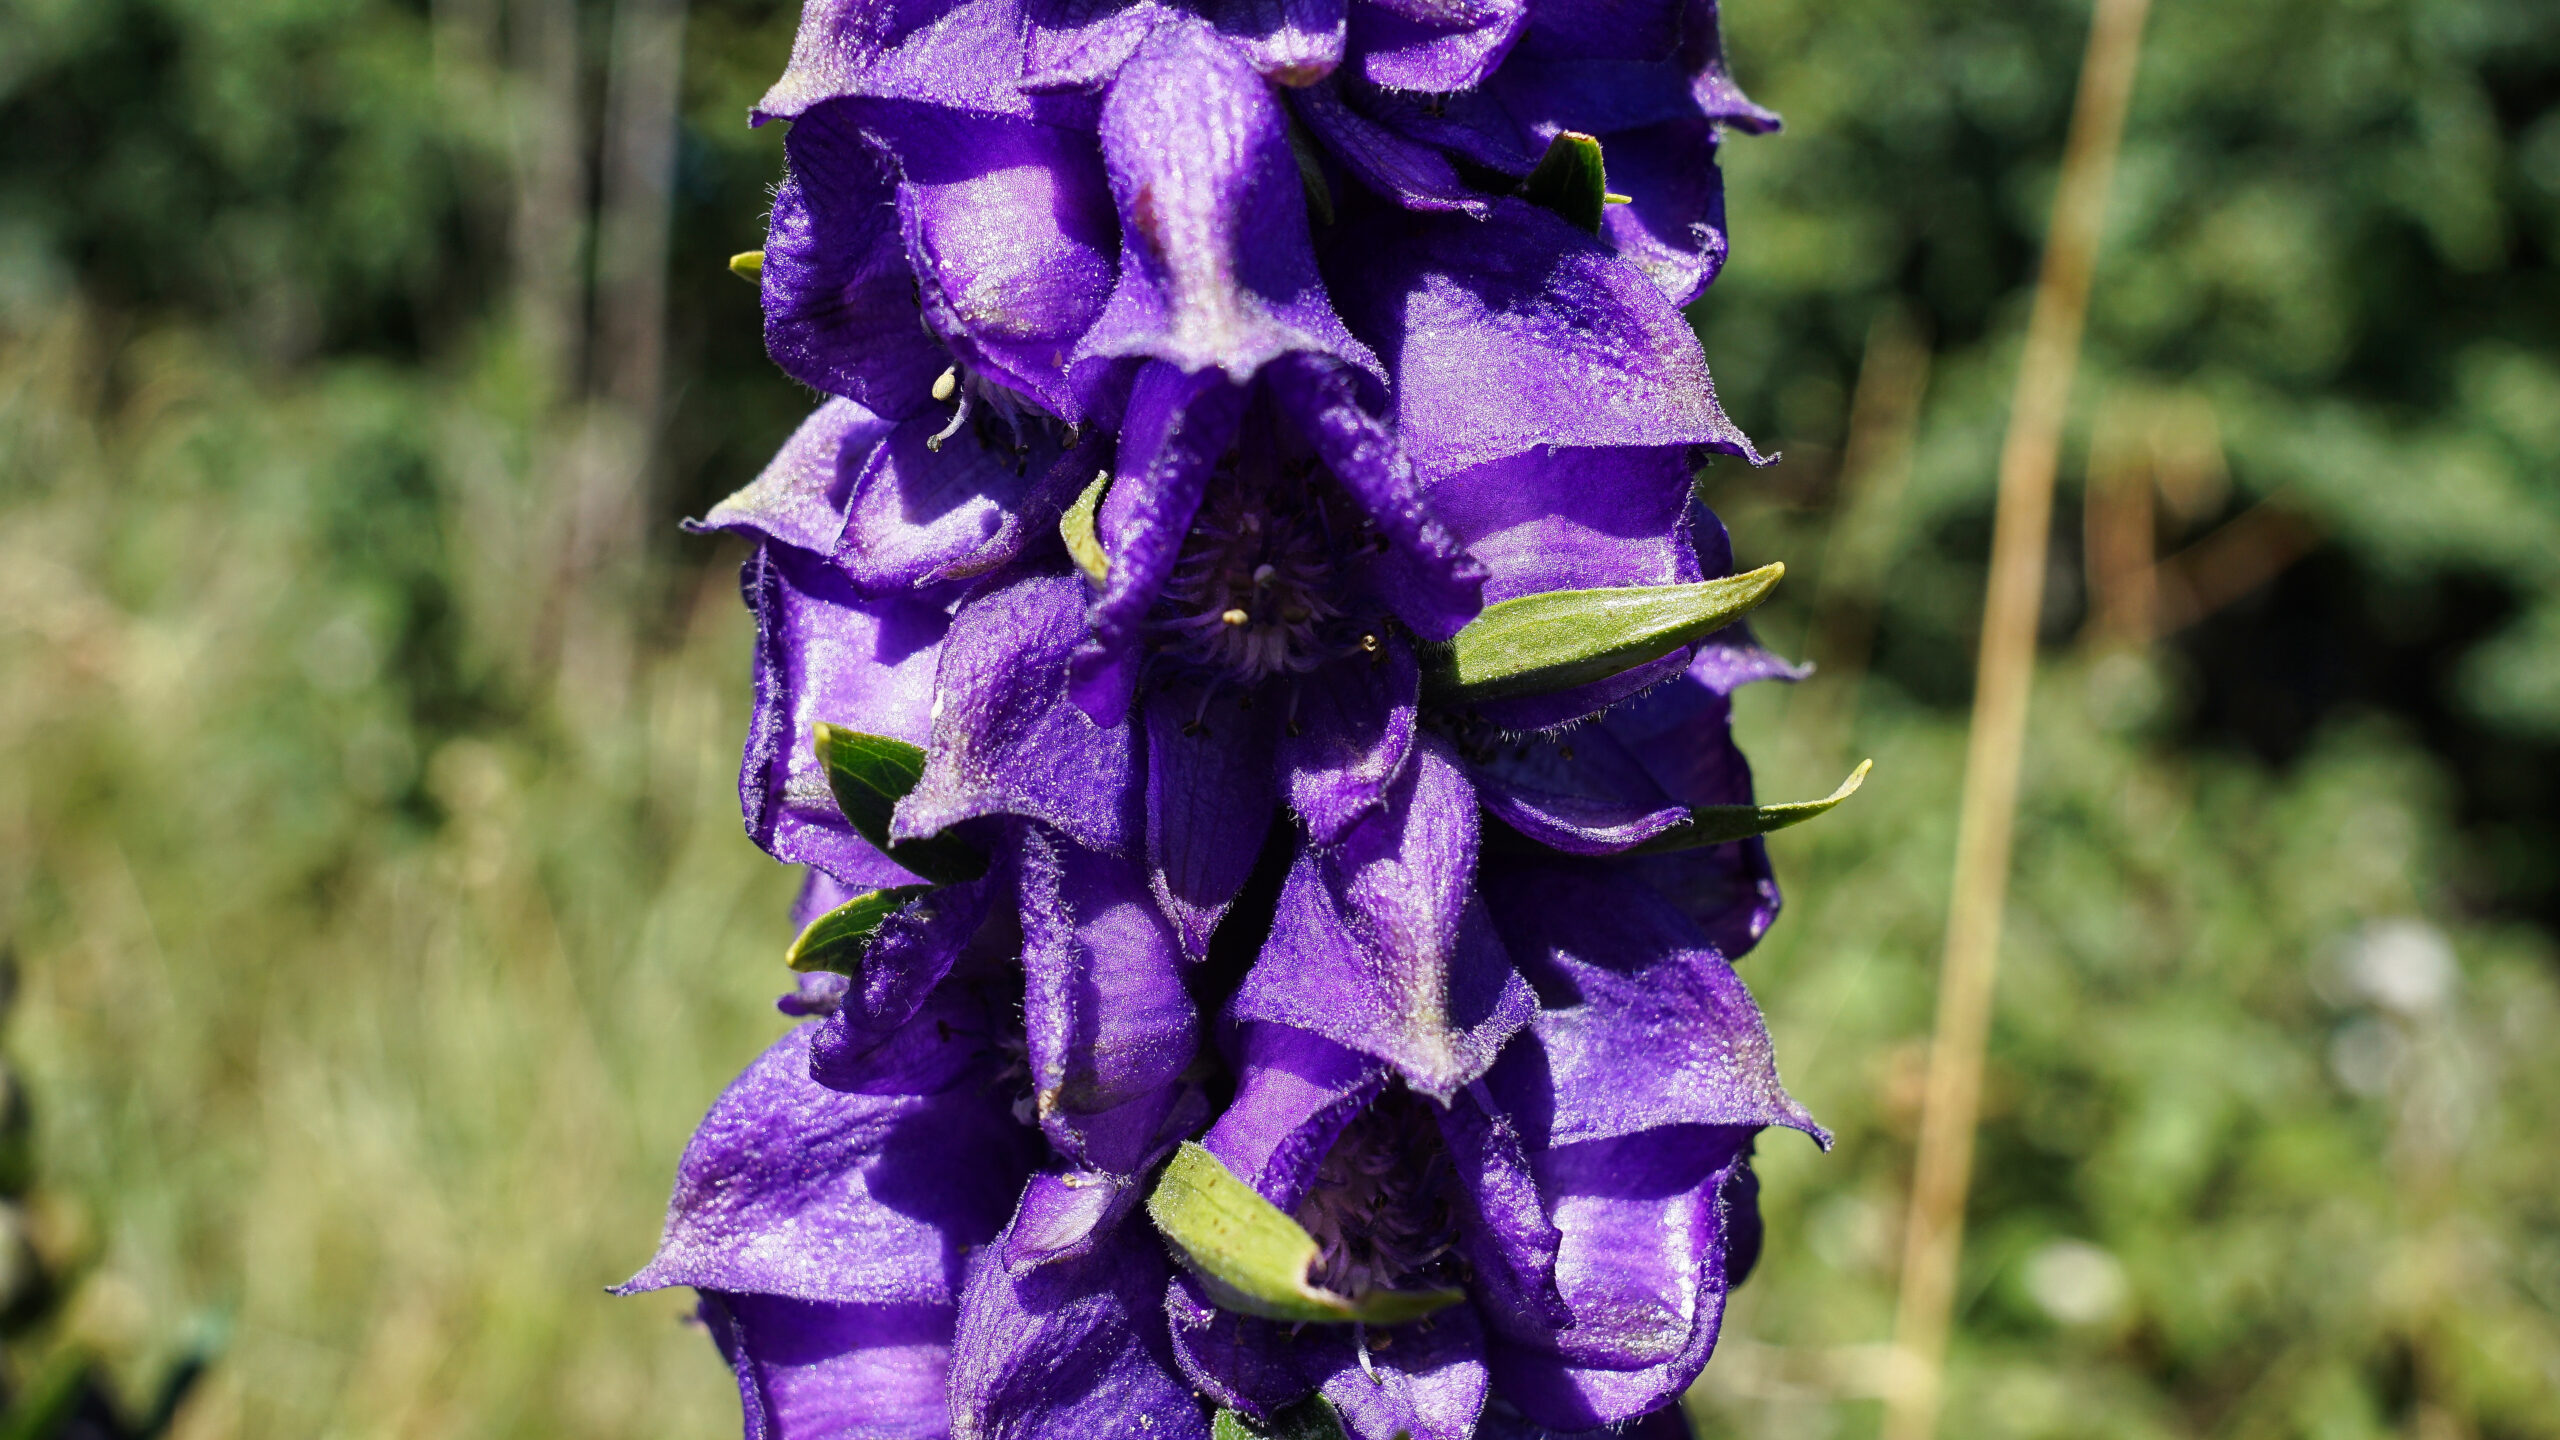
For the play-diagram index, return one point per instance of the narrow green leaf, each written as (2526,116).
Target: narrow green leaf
(836,940)
(748,265)
(1571,180)
(1075,527)
(1716,824)
(1255,1259)
(870,774)
(1539,644)
(1311,1419)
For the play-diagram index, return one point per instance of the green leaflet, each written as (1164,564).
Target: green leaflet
(748,265)
(836,940)
(870,774)
(1717,824)
(1253,1258)
(1539,644)
(1572,181)
(1076,528)
(1310,1419)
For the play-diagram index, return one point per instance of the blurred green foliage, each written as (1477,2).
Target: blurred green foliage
(367,846)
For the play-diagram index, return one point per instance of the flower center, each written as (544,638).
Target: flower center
(1382,1209)
(1251,593)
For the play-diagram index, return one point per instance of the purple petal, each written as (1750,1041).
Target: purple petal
(1210,796)
(790,1188)
(1064,1214)
(1293,42)
(1074,1349)
(1581,791)
(810,1371)
(839,298)
(1602,30)
(1438,46)
(1382,156)
(1353,724)
(1434,585)
(839,46)
(1177,428)
(824,653)
(916,512)
(1295,1091)
(1077,44)
(1111,1026)
(1505,1234)
(1641,1024)
(1236,1361)
(1381,945)
(1520,332)
(1503,1421)
(1005,739)
(1010,229)
(1702,51)
(1217,269)
(800,498)
(901,967)
(1643,1268)
(1674,228)
(1426,1381)
(1574,519)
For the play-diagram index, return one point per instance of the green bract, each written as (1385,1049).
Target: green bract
(870,774)
(1539,644)
(835,941)
(1717,824)
(1572,181)
(1255,1259)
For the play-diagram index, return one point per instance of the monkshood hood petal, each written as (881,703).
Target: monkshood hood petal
(808,1370)
(793,1189)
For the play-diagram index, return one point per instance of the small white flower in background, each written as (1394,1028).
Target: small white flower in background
(2076,1282)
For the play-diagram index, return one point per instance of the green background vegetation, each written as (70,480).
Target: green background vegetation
(371,872)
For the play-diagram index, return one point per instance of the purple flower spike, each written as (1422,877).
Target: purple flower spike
(1258,955)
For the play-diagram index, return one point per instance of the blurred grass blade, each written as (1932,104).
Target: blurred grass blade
(1539,644)
(870,774)
(1076,528)
(836,940)
(1253,1258)
(1718,824)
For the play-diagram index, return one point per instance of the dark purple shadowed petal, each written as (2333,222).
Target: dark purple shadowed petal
(904,964)
(800,498)
(1602,30)
(1010,228)
(1580,791)
(1077,44)
(811,1371)
(839,299)
(1293,42)
(1437,46)
(1643,1268)
(1744,1233)
(1641,1025)
(1237,1361)
(825,654)
(1413,173)
(1217,270)
(1295,1093)
(1521,332)
(1006,741)
(1573,519)
(814,996)
(1353,730)
(1504,1233)
(916,512)
(1381,945)
(1503,1421)
(1210,794)
(1674,228)
(1110,1025)
(1426,1380)
(1702,52)
(1074,1350)
(1177,428)
(790,1188)
(1432,582)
